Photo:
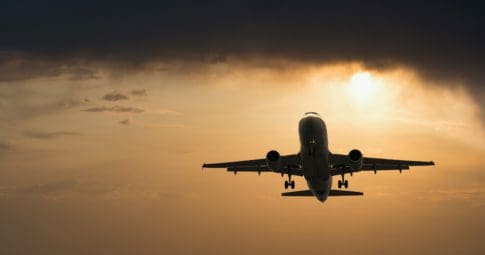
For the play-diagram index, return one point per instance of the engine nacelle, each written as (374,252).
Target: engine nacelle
(273,160)
(355,160)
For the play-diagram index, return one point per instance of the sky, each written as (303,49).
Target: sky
(108,110)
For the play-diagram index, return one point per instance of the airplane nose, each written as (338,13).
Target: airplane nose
(321,198)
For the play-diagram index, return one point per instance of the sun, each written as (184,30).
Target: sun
(362,87)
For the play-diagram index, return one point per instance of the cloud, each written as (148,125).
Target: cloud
(80,73)
(115,96)
(48,188)
(49,135)
(150,125)
(165,112)
(139,92)
(125,122)
(115,108)
(171,195)
(16,66)
(23,109)
(473,194)
(168,126)
(77,187)
(61,188)
(4,146)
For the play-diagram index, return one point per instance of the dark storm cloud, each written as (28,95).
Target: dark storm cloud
(115,96)
(115,108)
(444,41)
(49,135)
(422,32)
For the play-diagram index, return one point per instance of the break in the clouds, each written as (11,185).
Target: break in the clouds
(115,108)
(115,96)
(49,135)
(443,41)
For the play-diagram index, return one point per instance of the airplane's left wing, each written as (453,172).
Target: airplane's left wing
(341,164)
(289,164)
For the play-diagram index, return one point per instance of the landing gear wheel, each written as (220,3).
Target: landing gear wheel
(339,184)
(346,184)
(289,182)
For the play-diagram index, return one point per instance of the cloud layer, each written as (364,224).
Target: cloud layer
(115,108)
(414,33)
(115,96)
(139,92)
(443,41)
(49,135)
(4,146)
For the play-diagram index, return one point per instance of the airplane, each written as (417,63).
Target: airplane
(316,163)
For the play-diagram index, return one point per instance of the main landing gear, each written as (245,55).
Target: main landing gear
(289,183)
(343,182)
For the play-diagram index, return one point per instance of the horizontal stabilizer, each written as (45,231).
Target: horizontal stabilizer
(299,193)
(333,192)
(337,192)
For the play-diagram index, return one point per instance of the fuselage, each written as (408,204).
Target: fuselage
(314,155)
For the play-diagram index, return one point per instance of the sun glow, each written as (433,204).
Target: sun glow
(362,87)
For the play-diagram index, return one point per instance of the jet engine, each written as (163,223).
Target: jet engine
(355,160)
(273,160)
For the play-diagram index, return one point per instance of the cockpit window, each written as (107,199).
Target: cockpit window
(309,113)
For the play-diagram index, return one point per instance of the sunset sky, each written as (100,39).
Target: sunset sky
(108,111)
